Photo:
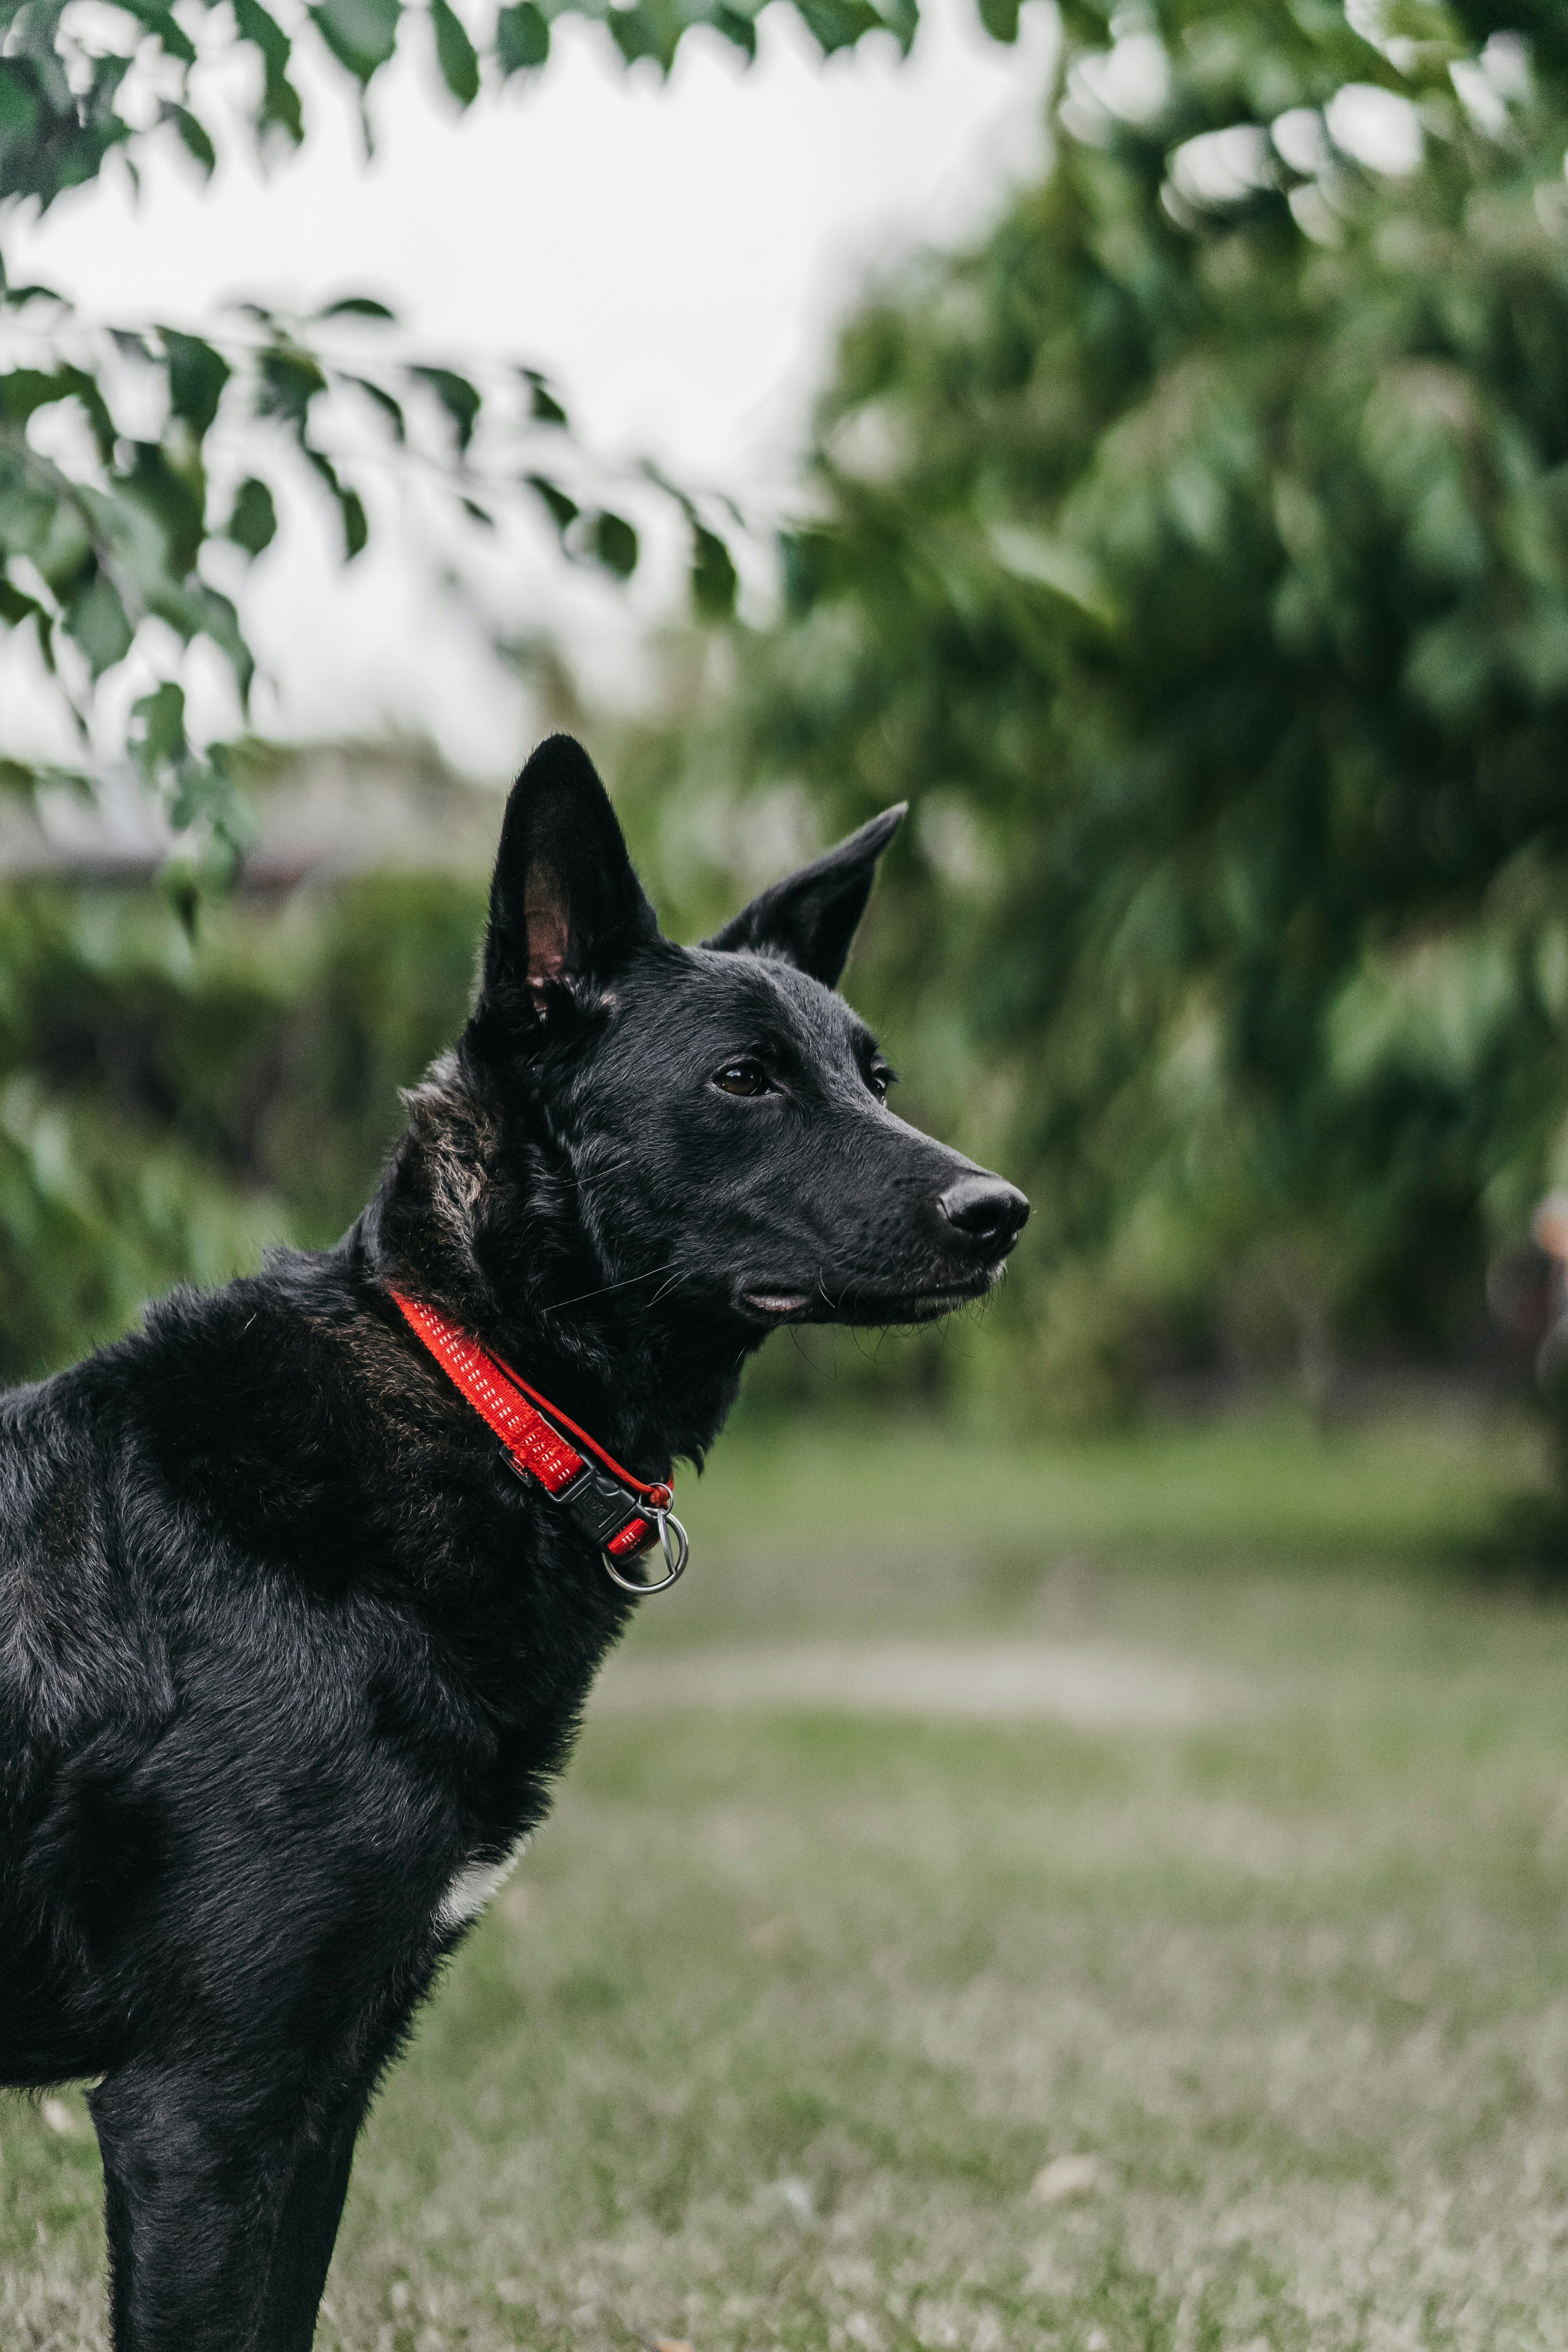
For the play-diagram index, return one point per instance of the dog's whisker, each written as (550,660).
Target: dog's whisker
(674,1277)
(604,1292)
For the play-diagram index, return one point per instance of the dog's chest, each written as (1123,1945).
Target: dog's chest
(470,1888)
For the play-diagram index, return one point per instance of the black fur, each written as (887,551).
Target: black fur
(285,1645)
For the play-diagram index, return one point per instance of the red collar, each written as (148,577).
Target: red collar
(622,1514)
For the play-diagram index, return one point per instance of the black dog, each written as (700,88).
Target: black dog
(287,1656)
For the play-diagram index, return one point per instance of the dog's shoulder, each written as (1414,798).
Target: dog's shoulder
(244,1420)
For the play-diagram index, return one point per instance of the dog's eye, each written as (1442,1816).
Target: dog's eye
(743,1078)
(878,1077)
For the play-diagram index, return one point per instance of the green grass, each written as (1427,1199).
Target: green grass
(769,2042)
(1403,1488)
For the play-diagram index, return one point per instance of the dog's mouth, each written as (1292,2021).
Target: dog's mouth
(860,1302)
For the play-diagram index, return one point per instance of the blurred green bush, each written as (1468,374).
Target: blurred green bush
(169,1107)
(1193,551)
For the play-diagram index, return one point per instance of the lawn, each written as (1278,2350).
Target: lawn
(1104,1896)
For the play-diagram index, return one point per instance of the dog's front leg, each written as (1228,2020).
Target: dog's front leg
(220,2222)
(307,2233)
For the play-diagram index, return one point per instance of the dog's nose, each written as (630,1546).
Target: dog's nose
(984,1210)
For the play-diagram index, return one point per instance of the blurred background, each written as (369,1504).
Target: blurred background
(1113,1744)
(1174,515)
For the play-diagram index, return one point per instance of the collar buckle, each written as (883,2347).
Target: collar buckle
(674,1543)
(618,1512)
(605,1510)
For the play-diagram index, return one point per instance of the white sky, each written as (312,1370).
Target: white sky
(674,254)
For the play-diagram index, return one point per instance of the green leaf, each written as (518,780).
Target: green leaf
(351,505)
(193,137)
(736,27)
(1000,19)
(16,605)
(176,42)
(253,524)
(263,32)
(280,109)
(356,525)
(840,23)
(457,396)
(30,507)
(542,405)
(96,619)
(16,298)
(562,511)
(18,112)
(195,610)
(902,18)
(177,881)
(476,513)
(360,33)
(176,501)
(65,558)
(291,380)
(714,581)
(158,727)
(227,811)
(651,28)
(197,375)
(24,390)
(522,38)
(108,73)
(806,559)
(357,306)
(455,53)
(614,543)
(390,408)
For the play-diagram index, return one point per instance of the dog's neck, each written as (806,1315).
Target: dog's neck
(476,1215)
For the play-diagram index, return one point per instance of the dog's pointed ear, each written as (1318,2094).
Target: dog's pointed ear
(810,919)
(565,904)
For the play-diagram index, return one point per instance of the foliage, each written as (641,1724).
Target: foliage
(1195,550)
(113,519)
(113,540)
(167,1108)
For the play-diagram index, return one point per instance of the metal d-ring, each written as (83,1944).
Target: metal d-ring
(675,1556)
